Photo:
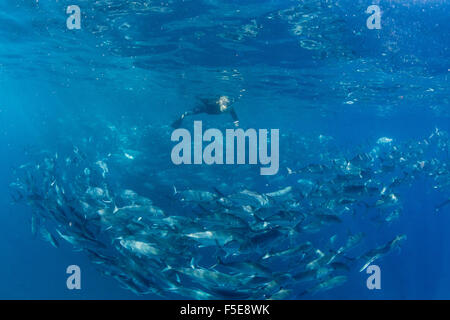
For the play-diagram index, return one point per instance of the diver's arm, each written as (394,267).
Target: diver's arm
(235,117)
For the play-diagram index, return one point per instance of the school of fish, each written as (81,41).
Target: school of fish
(220,232)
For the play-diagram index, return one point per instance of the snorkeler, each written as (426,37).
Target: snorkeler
(210,106)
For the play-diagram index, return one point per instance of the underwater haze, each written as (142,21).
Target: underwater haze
(361,102)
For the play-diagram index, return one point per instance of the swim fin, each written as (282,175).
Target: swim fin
(177,123)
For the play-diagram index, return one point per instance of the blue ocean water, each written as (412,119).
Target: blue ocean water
(308,68)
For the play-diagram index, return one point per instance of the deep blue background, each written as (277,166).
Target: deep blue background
(47,72)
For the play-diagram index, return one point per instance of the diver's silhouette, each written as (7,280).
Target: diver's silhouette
(210,106)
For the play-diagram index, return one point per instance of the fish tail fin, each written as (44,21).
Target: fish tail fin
(368,263)
(218,262)
(192,264)
(175,190)
(59,232)
(113,240)
(218,252)
(258,218)
(218,192)
(167,268)
(203,208)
